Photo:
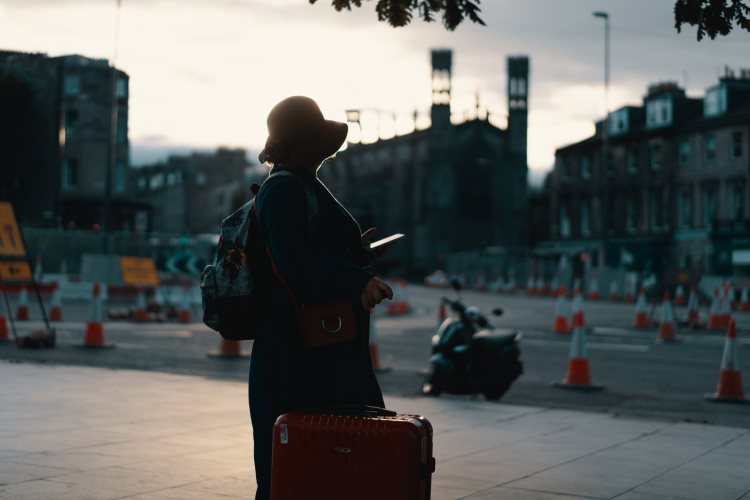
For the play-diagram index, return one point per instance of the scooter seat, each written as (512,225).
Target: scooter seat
(493,340)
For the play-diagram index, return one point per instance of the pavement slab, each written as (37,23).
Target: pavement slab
(95,433)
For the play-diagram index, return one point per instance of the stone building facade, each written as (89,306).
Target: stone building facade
(450,187)
(56,139)
(674,198)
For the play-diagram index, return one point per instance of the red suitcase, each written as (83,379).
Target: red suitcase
(366,454)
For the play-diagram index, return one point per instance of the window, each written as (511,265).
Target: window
(200,178)
(586,167)
(659,112)
(683,151)
(655,209)
(715,102)
(737,203)
(70,173)
(709,206)
(632,160)
(736,144)
(156,181)
(120,177)
(564,221)
(655,156)
(122,88)
(585,219)
(709,147)
(684,208)
(631,215)
(142,183)
(71,85)
(122,128)
(618,122)
(71,123)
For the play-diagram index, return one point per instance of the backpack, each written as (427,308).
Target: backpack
(235,300)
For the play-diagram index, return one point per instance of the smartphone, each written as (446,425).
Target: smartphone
(386,241)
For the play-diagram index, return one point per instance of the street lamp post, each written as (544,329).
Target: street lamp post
(606,215)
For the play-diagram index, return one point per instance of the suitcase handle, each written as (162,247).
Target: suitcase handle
(363,410)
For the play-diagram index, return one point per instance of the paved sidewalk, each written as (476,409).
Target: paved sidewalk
(92,433)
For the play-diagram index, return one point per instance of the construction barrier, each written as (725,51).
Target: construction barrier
(729,388)
(641,311)
(94,335)
(560,324)
(578,375)
(22,309)
(228,349)
(667,330)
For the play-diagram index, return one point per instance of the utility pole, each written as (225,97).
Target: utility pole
(606,214)
(111,165)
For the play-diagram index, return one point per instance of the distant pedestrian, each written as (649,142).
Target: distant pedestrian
(318,259)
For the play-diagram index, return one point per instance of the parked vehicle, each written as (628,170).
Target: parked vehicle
(470,356)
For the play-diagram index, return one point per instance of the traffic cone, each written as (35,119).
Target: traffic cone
(228,349)
(183,313)
(22,309)
(679,296)
(576,283)
(744,300)
(725,312)
(714,314)
(94,335)
(55,310)
(3,329)
(512,286)
(374,355)
(540,288)
(560,324)
(530,286)
(554,286)
(139,312)
(641,311)
(693,313)
(593,290)
(442,314)
(400,302)
(614,296)
(578,375)
(729,389)
(731,298)
(577,307)
(629,295)
(666,323)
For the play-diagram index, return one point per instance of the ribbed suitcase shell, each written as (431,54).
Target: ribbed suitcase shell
(319,456)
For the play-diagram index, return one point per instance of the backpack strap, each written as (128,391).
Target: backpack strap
(313,206)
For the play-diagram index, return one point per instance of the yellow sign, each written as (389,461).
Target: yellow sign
(11,244)
(139,271)
(12,272)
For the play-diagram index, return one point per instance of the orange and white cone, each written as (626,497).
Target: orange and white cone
(541,289)
(22,309)
(578,375)
(744,300)
(554,286)
(714,314)
(183,313)
(94,335)
(139,312)
(629,295)
(614,296)
(576,283)
(374,354)
(530,285)
(577,309)
(679,296)
(731,298)
(228,349)
(55,309)
(693,312)
(641,311)
(512,286)
(667,330)
(593,289)
(725,308)
(400,302)
(442,313)
(729,389)
(560,324)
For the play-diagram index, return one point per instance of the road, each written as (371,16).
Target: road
(641,376)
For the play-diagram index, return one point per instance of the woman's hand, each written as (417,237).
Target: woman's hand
(374,292)
(369,255)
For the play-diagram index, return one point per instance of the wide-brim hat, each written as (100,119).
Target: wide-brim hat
(299,134)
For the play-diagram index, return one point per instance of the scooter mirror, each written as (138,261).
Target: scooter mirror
(497,311)
(456,285)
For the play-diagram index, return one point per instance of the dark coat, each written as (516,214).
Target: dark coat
(284,375)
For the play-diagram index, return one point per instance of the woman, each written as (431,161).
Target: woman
(322,259)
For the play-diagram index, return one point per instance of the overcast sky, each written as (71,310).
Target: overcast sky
(206,73)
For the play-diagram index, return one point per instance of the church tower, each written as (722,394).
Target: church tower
(441,88)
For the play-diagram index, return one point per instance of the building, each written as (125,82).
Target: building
(191,194)
(674,198)
(56,132)
(455,186)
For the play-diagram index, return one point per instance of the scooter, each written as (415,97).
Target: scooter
(470,356)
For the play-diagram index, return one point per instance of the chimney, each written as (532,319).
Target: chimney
(441,88)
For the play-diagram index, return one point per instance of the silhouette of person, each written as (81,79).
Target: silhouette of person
(326,263)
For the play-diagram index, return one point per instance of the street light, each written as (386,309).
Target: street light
(605,136)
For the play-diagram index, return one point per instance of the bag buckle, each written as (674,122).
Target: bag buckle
(332,331)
